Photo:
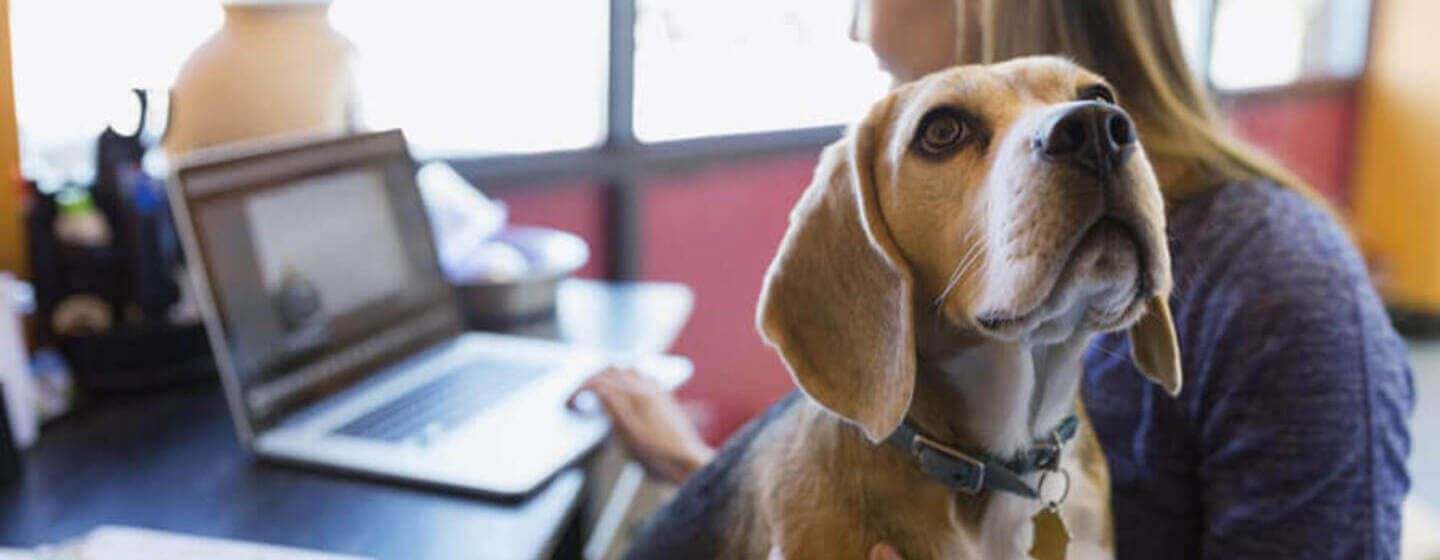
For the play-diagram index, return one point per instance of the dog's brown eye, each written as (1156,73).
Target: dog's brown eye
(941,132)
(1097,93)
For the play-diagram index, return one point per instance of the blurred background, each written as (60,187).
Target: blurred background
(678,157)
(673,136)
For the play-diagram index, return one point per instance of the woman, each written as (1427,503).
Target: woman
(1290,438)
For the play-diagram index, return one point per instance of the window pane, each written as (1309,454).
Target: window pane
(74,68)
(1267,43)
(457,75)
(462,76)
(1190,17)
(704,67)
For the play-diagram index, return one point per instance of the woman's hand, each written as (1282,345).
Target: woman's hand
(655,428)
(651,423)
(880,551)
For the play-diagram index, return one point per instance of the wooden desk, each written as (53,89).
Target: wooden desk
(170,460)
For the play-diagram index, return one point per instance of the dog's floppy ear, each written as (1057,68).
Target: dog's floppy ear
(836,301)
(1153,345)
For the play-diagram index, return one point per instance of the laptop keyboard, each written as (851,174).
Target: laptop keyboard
(444,402)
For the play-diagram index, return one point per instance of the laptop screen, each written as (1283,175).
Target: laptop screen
(317,275)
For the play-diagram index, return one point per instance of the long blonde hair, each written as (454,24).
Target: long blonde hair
(1135,45)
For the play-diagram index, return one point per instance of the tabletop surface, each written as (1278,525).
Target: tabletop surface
(170,460)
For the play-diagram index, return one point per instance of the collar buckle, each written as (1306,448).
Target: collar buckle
(971,484)
(1046,454)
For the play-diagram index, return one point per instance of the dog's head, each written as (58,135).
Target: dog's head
(1014,199)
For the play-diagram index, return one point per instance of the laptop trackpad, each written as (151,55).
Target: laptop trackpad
(425,413)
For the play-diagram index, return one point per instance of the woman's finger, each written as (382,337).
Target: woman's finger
(608,380)
(883,551)
(587,385)
(880,551)
(628,378)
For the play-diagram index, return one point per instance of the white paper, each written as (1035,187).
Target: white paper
(20,397)
(128,543)
(463,220)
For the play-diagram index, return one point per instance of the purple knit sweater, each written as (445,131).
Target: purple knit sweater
(1290,436)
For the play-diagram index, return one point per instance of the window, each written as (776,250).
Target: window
(1271,43)
(444,70)
(705,68)
(73,73)
(1191,22)
(513,92)
(450,72)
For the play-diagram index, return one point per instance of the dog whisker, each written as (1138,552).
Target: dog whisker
(959,266)
(970,263)
(970,257)
(954,278)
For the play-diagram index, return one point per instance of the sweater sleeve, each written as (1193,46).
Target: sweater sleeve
(1301,417)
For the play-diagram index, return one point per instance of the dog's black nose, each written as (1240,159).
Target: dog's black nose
(1095,136)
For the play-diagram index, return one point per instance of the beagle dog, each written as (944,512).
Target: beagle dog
(941,277)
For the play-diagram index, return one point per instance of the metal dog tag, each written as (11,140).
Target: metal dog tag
(1051,536)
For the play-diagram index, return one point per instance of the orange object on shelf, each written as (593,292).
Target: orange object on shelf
(276,67)
(12,231)
(1397,179)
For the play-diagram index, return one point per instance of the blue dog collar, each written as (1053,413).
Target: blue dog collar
(973,472)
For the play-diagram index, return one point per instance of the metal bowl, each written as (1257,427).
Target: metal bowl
(515,297)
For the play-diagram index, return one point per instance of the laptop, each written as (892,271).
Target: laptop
(339,341)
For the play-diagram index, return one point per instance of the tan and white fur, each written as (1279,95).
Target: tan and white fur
(952,279)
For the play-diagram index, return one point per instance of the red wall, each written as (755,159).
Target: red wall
(716,229)
(1312,135)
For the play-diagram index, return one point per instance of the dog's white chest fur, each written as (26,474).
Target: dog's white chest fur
(1011,393)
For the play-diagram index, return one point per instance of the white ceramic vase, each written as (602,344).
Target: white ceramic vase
(275,67)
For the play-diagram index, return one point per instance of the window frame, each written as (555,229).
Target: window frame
(1303,87)
(620,162)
